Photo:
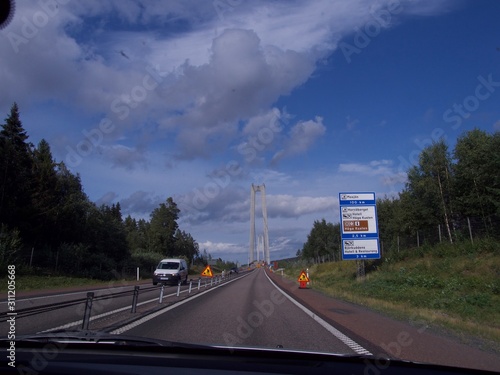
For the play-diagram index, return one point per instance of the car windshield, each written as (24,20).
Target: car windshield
(326,174)
(168,266)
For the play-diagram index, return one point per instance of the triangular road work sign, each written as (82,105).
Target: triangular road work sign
(207,272)
(303,277)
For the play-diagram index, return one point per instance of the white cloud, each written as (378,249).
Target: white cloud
(219,77)
(300,138)
(496,126)
(218,70)
(385,170)
(292,206)
(122,156)
(221,247)
(139,203)
(373,168)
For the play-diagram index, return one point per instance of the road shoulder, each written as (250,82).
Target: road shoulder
(385,336)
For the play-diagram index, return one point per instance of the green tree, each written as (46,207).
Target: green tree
(15,174)
(323,240)
(186,245)
(390,220)
(106,238)
(44,193)
(73,206)
(10,247)
(428,196)
(163,227)
(494,168)
(477,165)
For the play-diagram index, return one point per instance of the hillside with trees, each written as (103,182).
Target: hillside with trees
(48,225)
(449,196)
(439,239)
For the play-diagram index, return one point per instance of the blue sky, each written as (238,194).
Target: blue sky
(198,100)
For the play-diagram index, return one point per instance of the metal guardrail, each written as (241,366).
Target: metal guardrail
(91,299)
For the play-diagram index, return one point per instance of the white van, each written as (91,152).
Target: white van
(171,271)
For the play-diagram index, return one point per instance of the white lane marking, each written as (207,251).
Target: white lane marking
(334,331)
(138,322)
(79,322)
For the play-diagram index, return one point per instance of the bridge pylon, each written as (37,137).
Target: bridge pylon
(251,251)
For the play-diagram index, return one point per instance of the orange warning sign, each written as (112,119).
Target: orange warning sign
(207,272)
(303,277)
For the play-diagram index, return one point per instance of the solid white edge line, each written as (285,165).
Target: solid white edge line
(79,322)
(334,331)
(140,321)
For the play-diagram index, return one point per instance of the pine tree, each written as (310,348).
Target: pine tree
(44,192)
(16,181)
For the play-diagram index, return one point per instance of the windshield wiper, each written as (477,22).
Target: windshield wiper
(100,337)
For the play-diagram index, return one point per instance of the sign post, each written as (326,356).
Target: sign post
(359,226)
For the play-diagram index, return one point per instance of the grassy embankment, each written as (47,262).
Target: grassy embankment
(25,283)
(455,287)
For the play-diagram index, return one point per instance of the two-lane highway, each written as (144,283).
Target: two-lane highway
(254,309)
(250,311)
(55,311)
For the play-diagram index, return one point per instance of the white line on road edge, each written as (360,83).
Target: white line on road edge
(334,331)
(79,322)
(138,322)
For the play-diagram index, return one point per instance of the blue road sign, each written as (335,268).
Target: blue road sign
(359,226)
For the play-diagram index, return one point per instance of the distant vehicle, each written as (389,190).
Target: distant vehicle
(234,270)
(171,271)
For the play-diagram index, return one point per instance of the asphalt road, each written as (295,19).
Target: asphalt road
(247,312)
(119,301)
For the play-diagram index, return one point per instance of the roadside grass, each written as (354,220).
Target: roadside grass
(455,287)
(25,283)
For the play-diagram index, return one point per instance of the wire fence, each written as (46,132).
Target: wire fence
(467,229)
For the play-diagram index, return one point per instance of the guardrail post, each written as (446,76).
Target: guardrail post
(160,300)
(211,281)
(199,283)
(134,299)
(178,288)
(88,308)
(190,286)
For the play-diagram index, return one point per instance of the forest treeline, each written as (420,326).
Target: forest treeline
(50,226)
(450,195)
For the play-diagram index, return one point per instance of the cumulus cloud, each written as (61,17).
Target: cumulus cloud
(496,126)
(294,207)
(216,248)
(186,80)
(107,199)
(140,203)
(384,169)
(199,82)
(123,156)
(300,138)
(375,167)
(236,85)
